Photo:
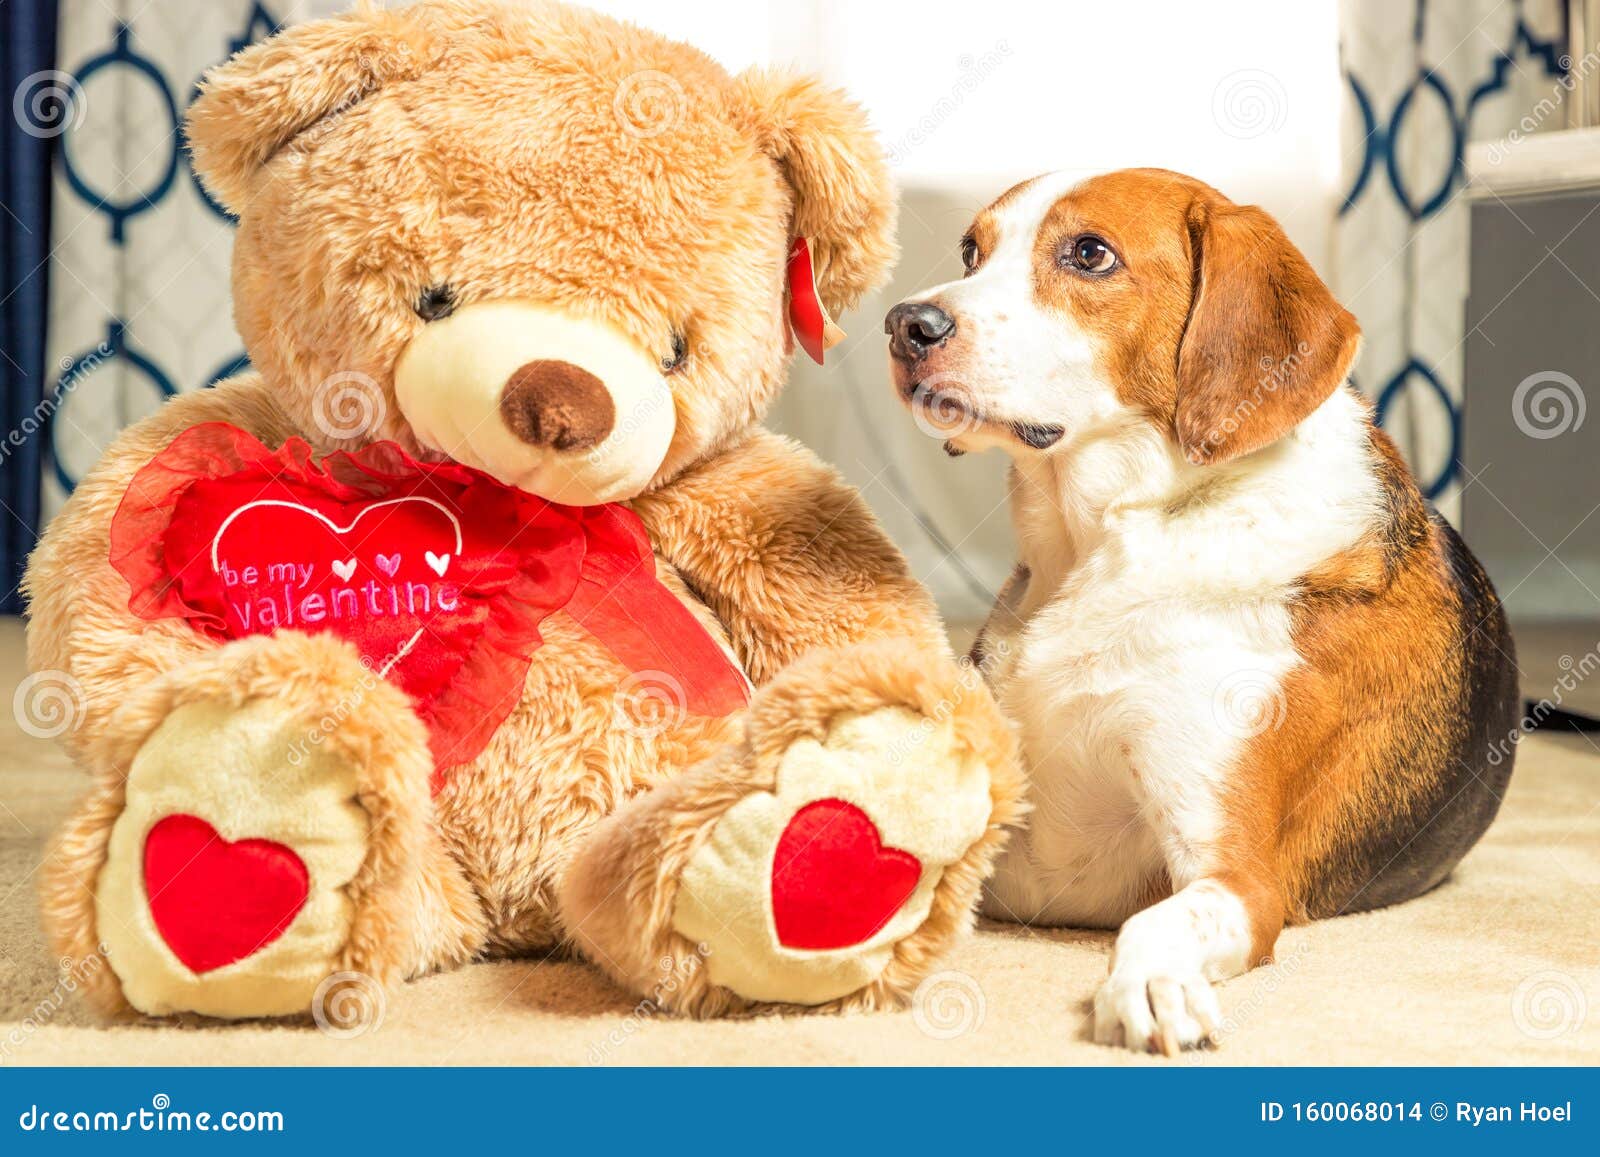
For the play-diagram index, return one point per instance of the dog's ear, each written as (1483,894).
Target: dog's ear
(1265,343)
(253,104)
(844,201)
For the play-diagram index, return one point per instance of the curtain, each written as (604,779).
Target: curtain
(139,303)
(1422,80)
(41,106)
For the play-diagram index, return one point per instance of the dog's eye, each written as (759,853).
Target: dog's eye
(969,254)
(1089,254)
(436,301)
(680,351)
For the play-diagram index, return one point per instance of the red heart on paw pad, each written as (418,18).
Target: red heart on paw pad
(834,884)
(216,902)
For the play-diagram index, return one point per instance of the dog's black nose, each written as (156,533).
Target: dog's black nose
(914,328)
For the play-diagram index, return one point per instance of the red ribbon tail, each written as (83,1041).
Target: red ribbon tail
(645,625)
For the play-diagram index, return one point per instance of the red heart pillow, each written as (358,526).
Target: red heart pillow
(439,574)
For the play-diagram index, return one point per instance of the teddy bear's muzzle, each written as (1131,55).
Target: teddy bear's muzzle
(562,406)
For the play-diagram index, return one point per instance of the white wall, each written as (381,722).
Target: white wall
(1244,94)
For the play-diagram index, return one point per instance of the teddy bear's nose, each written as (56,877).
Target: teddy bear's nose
(557,405)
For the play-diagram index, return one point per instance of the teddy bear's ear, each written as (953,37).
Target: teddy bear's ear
(253,104)
(844,200)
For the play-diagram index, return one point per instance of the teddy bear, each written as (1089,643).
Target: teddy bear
(481,617)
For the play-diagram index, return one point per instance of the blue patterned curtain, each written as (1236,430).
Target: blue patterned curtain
(27,60)
(1423,79)
(139,301)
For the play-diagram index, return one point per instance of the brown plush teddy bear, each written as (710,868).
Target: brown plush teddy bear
(482,617)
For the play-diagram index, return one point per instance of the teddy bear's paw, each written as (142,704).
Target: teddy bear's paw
(225,889)
(802,894)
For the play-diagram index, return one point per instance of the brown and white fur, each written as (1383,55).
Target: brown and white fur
(1256,678)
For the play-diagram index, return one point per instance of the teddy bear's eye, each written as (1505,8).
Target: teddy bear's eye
(436,301)
(680,351)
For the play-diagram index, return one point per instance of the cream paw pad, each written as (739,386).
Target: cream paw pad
(801,894)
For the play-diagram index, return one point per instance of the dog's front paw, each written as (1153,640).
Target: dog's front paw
(1156,1008)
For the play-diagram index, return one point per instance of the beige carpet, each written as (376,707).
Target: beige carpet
(1499,966)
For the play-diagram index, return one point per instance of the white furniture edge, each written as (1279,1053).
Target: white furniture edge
(1538,163)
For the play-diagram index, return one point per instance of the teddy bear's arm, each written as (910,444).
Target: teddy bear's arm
(79,624)
(788,555)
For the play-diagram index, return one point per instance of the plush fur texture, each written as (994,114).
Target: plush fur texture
(498,150)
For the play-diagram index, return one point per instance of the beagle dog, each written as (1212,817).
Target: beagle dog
(1256,677)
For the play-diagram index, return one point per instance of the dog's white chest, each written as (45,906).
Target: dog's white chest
(1130,710)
